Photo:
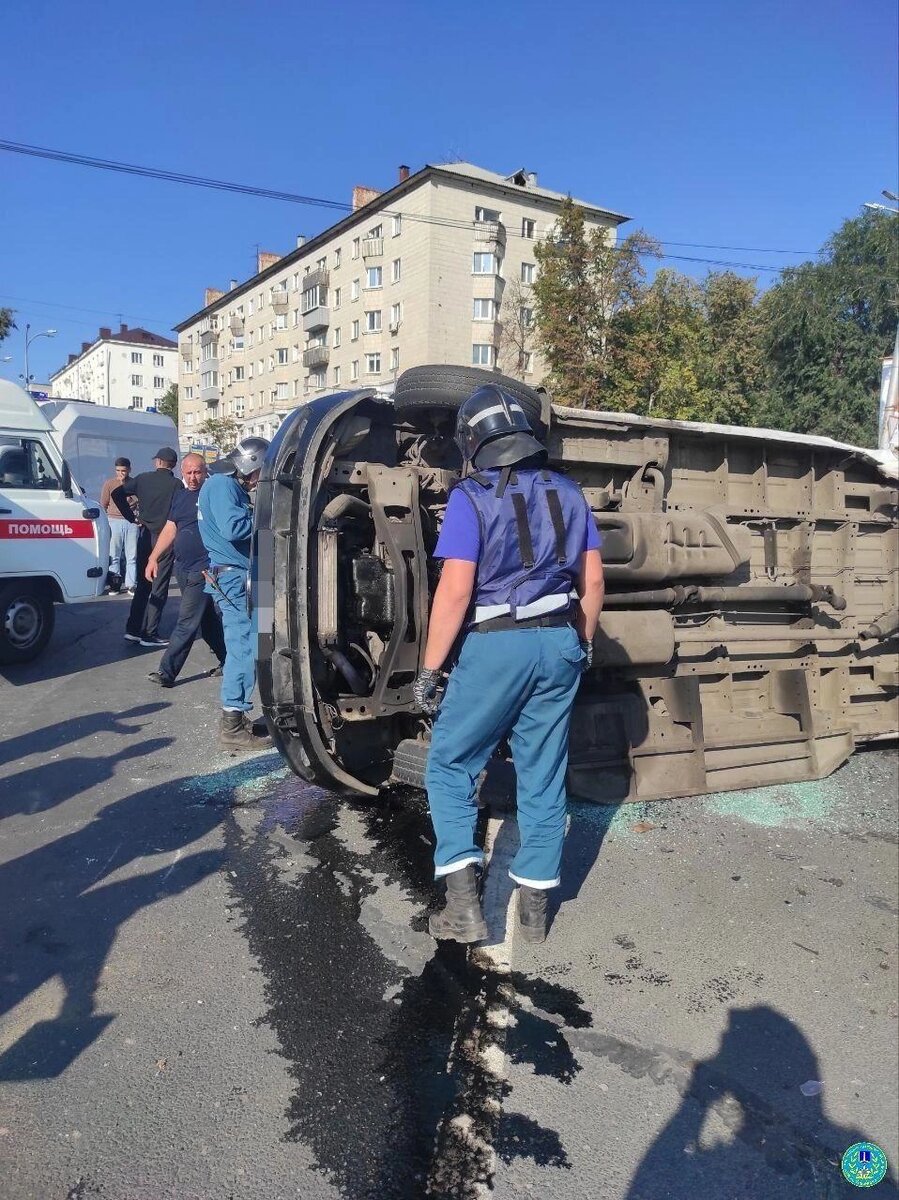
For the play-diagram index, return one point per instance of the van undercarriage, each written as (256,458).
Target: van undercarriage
(749,631)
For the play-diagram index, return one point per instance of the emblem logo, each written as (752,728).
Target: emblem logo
(864,1164)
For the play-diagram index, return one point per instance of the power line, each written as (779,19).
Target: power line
(315,201)
(100,312)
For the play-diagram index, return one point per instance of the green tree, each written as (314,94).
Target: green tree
(824,330)
(732,370)
(168,405)
(7,324)
(221,431)
(584,284)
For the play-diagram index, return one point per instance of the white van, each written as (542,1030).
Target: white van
(91,437)
(54,546)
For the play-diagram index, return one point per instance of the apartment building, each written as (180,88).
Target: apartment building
(437,269)
(129,369)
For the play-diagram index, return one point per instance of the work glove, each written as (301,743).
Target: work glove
(428,691)
(587,648)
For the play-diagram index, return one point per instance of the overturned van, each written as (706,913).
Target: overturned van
(749,633)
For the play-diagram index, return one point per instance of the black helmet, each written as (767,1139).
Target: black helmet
(249,455)
(492,429)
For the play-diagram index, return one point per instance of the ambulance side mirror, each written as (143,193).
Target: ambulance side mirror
(66,480)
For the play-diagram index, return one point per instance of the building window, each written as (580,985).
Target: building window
(158,381)
(280,321)
(354,290)
(294,318)
(527,227)
(189,392)
(136,356)
(238,374)
(373,364)
(483,264)
(295,354)
(396,225)
(250,376)
(238,406)
(251,338)
(296,281)
(525,317)
(271,362)
(281,392)
(260,302)
(527,361)
(373,321)
(282,357)
(295,388)
(260,366)
(376,231)
(336,376)
(321,263)
(188,419)
(374,277)
(158,360)
(318,380)
(482,355)
(356,247)
(137,401)
(337,338)
(354,369)
(336,298)
(527,272)
(354,331)
(137,381)
(395,358)
(396,270)
(487,214)
(483,310)
(237,342)
(337,258)
(314,297)
(251,307)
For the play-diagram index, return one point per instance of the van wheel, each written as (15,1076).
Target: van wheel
(26,621)
(448,387)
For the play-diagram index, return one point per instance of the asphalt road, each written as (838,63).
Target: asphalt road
(204,1003)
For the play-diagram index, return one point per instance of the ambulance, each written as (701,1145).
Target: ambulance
(54,542)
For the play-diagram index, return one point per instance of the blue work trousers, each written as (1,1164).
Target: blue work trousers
(239,672)
(519,683)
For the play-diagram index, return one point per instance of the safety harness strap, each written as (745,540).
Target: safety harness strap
(525,545)
(558,520)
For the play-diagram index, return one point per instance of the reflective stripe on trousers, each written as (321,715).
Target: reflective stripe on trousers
(520,683)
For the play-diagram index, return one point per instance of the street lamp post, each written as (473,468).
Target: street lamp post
(29,338)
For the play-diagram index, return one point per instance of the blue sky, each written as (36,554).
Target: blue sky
(756,124)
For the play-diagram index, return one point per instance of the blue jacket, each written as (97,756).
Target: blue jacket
(225,521)
(532,537)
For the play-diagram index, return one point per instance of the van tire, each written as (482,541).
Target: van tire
(27,618)
(448,387)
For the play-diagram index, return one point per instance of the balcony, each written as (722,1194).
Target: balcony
(279,299)
(187,350)
(236,325)
(317,318)
(373,247)
(491,233)
(210,396)
(317,278)
(207,336)
(316,356)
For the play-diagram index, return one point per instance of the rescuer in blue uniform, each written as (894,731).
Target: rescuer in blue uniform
(522,573)
(225,521)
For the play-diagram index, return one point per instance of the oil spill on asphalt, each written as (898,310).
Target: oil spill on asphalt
(394,1095)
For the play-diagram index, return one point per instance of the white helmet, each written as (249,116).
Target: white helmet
(249,455)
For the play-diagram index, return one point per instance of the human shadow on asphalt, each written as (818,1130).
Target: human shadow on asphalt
(73,729)
(50,784)
(60,920)
(768,1139)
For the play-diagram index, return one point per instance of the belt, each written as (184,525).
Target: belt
(553,620)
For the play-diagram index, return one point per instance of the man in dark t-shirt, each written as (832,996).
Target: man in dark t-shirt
(153,491)
(197,613)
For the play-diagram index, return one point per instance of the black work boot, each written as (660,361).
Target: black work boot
(532,913)
(461,918)
(235,735)
(258,728)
